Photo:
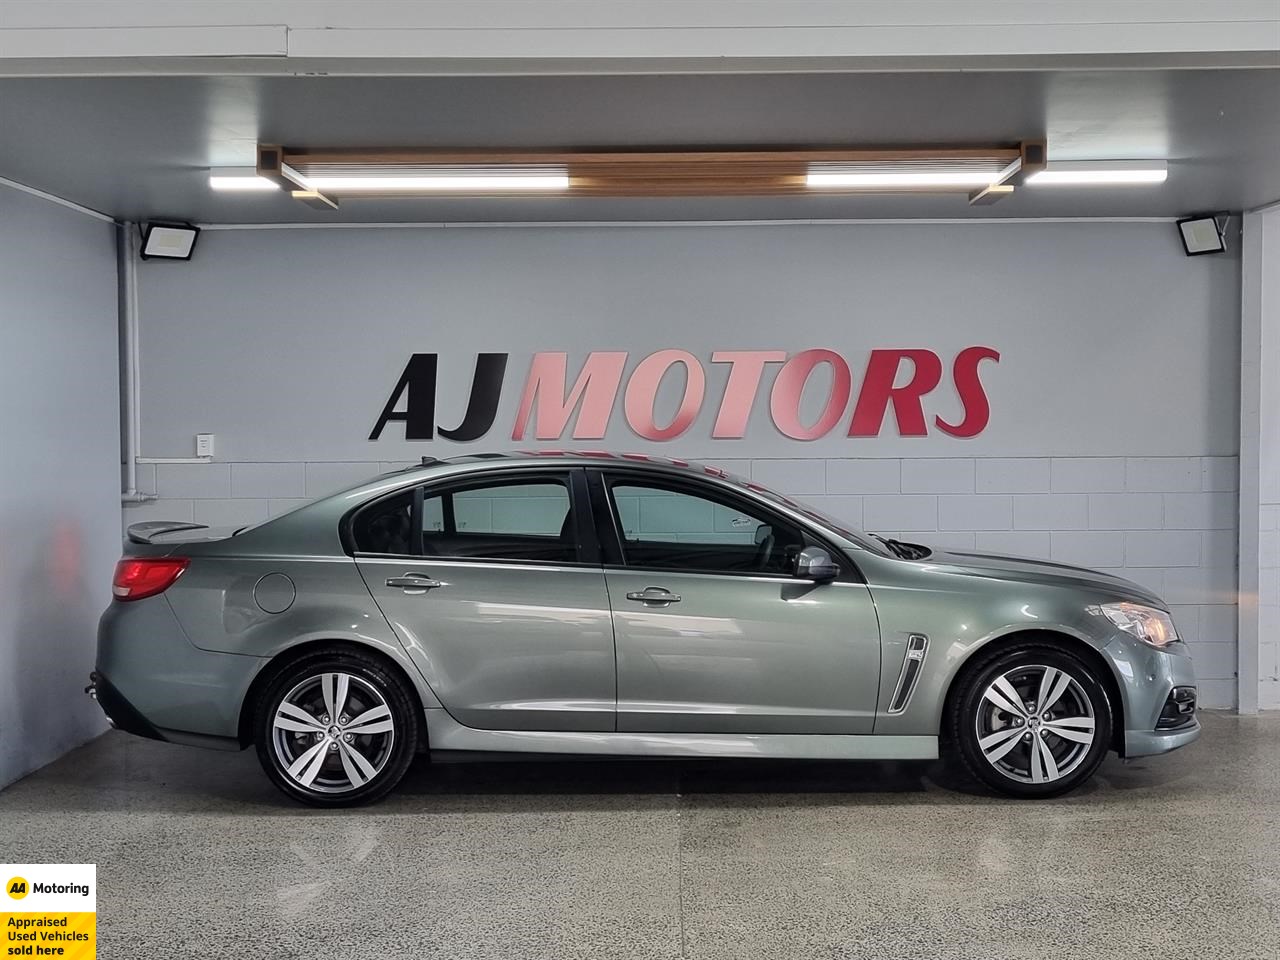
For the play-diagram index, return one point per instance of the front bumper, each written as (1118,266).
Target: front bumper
(1148,679)
(1145,743)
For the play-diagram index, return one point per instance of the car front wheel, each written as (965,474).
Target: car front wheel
(336,728)
(1031,721)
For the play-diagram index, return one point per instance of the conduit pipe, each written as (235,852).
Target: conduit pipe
(129,349)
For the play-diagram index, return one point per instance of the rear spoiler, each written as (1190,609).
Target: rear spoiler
(144,532)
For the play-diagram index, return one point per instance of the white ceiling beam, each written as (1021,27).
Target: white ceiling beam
(140,43)
(533,32)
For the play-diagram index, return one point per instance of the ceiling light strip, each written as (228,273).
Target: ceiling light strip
(942,172)
(1100,173)
(440,178)
(246,183)
(922,178)
(448,183)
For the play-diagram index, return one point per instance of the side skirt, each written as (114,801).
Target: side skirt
(445,733)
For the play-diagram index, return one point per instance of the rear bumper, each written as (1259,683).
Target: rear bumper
(125,716)
(152,681)
(122,714)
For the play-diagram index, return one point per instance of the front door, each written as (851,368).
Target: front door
(487,585)
(714,633)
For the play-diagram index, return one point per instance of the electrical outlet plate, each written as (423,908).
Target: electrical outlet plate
(204,444)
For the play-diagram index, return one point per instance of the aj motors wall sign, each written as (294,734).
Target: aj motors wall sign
(553,406)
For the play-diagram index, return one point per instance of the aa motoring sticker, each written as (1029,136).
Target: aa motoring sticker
(49,910)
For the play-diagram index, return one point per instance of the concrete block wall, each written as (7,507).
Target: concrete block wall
(1168,523)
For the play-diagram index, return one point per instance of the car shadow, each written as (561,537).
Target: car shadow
(556,782)
(126,774)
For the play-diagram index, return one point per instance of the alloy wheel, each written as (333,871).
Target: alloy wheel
(333,733)
(1035,724)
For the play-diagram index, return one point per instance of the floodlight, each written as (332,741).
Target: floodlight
(1201,235)
(168,241)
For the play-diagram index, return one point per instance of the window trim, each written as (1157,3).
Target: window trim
(609,523)
(586,544)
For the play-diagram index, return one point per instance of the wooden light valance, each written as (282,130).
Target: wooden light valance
(984,174)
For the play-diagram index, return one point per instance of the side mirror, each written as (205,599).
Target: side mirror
(814,563)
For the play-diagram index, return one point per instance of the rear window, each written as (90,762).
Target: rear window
(385,527)
(529,520)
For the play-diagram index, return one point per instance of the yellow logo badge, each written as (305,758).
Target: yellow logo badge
(16,888)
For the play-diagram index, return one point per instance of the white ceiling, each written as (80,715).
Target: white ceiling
(139,147)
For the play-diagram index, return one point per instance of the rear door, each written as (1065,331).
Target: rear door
(494,586)
(714,633)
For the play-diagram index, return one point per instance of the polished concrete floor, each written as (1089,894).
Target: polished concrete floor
(198,856)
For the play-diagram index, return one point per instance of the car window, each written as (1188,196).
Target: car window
(671,528)
(499,520)
(385,527)
(529,520)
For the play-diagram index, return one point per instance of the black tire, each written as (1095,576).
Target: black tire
(1026,755)
(340,778)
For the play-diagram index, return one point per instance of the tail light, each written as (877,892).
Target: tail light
(139,577)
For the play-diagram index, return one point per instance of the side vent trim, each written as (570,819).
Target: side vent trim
(917,647)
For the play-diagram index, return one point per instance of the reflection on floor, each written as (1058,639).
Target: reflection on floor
(198,856)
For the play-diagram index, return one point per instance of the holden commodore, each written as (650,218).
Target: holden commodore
(622,605)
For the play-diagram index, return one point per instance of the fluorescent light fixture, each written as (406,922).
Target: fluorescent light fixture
(905,174)
(168,241)
(437,179)
(240,180)
(436,184)
(1201,235)
(1100,173)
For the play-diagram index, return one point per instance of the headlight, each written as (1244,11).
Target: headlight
(1146,623)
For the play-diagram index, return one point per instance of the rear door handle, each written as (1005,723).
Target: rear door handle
(656,595)
(414,583)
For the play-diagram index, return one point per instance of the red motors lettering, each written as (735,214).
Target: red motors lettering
(894,385)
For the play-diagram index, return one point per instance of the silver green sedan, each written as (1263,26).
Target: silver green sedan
(622,605)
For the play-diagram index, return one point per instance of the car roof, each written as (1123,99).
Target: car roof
(569,457)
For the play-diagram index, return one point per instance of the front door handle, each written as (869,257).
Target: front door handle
(655,595)
(414,583)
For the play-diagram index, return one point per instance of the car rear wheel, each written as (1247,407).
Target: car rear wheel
(1031,721)
(336,728)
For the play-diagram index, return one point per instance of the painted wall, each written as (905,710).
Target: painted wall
(59,472)
(1111,439)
